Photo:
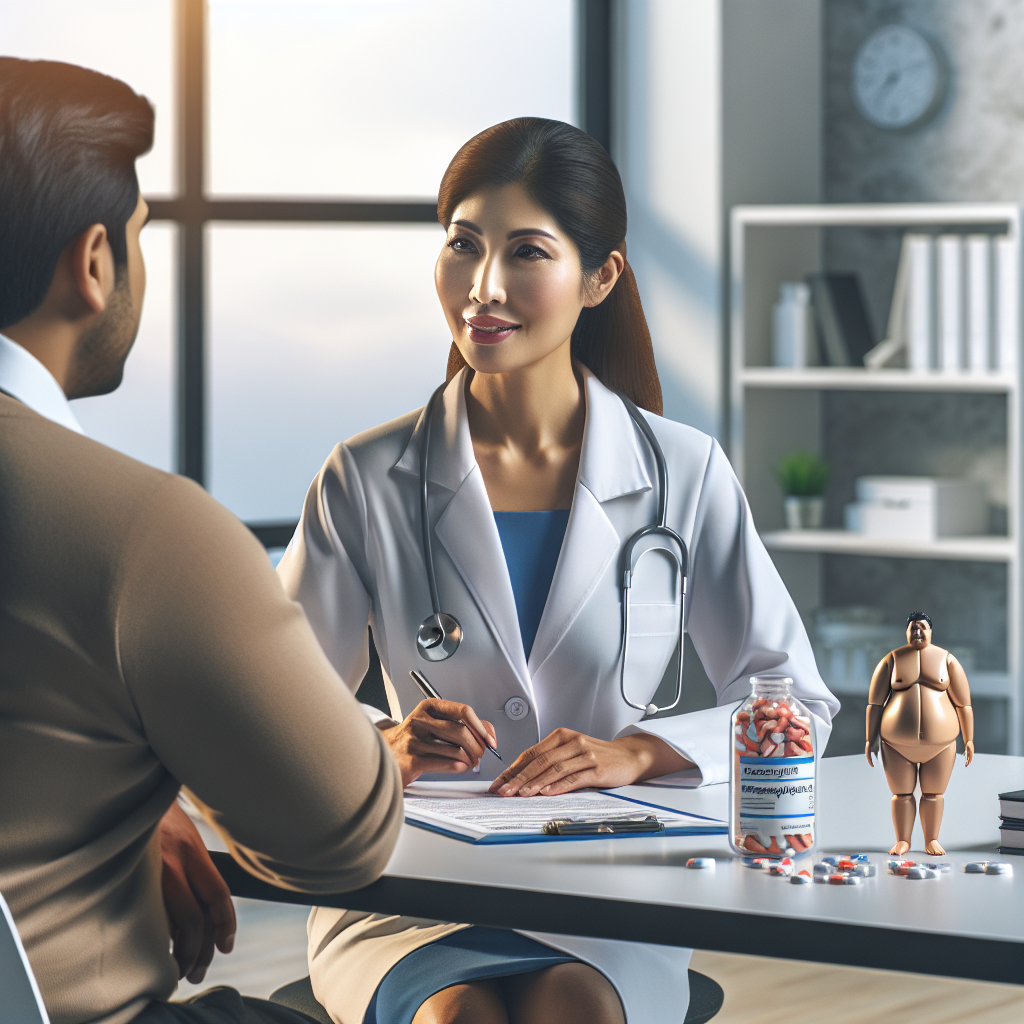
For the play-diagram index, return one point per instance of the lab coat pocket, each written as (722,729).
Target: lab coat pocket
(653,632)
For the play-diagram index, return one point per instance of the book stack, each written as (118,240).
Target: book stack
(955,306)
(1011,822)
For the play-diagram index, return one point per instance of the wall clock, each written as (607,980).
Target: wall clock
(899,78)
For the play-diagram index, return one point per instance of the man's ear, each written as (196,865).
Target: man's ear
(603,279)
(92,267)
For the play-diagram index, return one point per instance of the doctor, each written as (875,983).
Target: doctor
(535,475)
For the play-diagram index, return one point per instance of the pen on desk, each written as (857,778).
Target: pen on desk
(430,693)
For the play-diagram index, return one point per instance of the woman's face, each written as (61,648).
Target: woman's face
(509,281)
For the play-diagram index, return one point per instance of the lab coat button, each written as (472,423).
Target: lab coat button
(516,708)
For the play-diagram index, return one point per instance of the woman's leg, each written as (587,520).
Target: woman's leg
(572,993)
(479,1002)
(901,774)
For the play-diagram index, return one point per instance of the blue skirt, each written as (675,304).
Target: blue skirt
(471,954)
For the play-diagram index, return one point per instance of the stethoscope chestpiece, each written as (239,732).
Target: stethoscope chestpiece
(438,637)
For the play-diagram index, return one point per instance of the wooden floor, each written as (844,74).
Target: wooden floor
(763,991)
(270,951)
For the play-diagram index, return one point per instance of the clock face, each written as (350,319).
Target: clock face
(898,79)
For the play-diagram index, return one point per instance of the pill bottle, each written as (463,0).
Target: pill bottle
(771,784)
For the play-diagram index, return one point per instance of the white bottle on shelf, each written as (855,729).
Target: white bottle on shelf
(794,342)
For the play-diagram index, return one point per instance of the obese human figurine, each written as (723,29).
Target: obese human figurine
(919,701)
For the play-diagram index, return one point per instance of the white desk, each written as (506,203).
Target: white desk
(638,889)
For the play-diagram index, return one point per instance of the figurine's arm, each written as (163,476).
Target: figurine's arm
(960,694)
(878,694)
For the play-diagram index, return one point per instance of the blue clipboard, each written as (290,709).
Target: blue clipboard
(697,825)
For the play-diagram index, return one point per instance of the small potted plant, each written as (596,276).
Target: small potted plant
(803,476)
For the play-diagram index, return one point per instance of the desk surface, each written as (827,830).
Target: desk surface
(961,925)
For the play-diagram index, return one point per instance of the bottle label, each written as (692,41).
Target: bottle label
(776,795)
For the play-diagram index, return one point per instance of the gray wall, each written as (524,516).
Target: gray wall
(972,150)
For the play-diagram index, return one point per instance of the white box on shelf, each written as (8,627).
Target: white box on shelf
(917,508)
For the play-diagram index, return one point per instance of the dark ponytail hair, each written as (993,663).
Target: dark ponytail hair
(571,176)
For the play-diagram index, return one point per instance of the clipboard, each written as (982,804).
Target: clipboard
(460,811)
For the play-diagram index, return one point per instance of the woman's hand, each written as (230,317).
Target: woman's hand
(438,736)
(568,760)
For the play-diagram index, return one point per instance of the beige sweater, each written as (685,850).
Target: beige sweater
(145,644)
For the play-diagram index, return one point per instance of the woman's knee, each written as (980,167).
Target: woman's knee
(572,993)
(479,1002)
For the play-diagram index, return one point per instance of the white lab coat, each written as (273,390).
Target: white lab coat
(357,558)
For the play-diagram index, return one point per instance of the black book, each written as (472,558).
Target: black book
(1011,805)
(844,330)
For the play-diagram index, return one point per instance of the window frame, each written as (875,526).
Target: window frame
(191,210)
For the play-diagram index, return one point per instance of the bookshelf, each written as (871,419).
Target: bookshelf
(774,411)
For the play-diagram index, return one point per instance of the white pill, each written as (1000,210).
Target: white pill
(976,867)
(999,869)
(921,872)
(701,862)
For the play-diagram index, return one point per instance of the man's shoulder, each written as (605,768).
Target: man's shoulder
(54,473)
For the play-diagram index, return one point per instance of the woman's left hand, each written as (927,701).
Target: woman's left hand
(567,760)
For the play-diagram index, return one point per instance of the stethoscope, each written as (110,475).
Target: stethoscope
(440,634)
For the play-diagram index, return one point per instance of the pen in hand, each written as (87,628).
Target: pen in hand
(430,693)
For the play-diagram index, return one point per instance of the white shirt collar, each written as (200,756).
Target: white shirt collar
(23,377)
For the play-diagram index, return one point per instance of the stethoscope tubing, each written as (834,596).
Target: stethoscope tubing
(440,635)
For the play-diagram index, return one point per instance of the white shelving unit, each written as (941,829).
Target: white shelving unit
(774,411)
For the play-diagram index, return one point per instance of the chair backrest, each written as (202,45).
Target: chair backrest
(20,1001)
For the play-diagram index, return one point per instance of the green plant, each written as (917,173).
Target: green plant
(802,474)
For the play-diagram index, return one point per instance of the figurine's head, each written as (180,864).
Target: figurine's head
(534,263)
(919,629)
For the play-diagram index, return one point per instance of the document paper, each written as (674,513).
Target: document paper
(481,818)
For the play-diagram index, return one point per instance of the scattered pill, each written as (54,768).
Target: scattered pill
(864,870)
(824,869)
(976,867)
(918,871)
(701,862)
(758,863)
(800,879)
(999,869)
(839,878)
(862,858)
(901,867)
(942,867)
(829,860)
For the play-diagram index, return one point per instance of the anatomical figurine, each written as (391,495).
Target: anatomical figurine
(918,703)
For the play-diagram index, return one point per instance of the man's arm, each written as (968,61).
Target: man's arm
(240,705)
(960,696)
(878,694)
(200,913)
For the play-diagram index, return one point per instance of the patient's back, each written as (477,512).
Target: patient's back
(145,643)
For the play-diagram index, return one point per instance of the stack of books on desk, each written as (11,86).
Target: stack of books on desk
(1011,823)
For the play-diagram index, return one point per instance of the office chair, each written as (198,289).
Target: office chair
(706,998)
(21,1002)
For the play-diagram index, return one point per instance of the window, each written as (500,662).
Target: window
(298,150)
